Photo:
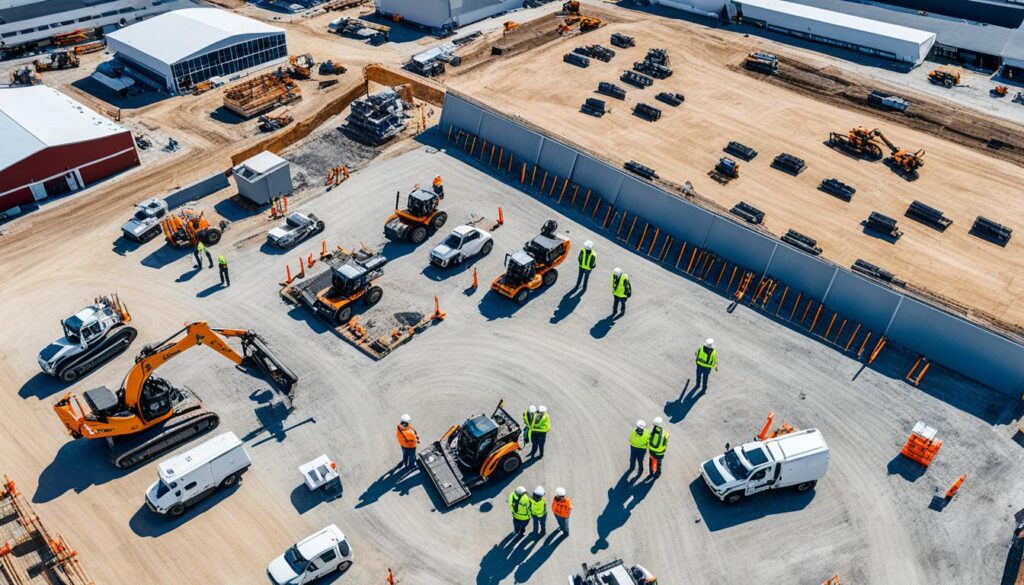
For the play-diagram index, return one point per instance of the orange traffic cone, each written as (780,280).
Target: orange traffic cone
(438,315)
(288,274)
(476,282)
(953,489)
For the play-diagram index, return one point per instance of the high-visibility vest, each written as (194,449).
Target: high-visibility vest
(543,424)
(619,285)
(562,507)
(200,247)
(658,441)
(528,423)
(639,441)
(706,360)
(222,261)
(538,507)
(407,437)
(587,259)
(437,181)
(520,506)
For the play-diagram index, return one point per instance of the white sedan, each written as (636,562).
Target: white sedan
(312,558)
(463,243)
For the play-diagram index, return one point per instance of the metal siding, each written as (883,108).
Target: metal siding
(739,244)
(522,143)
(557,159)
(197,190)
(461,114)
(60,159)
(863,301)
(641,198)
(431,13)
(474,10)
(601,179)
(684,220)
(801,272)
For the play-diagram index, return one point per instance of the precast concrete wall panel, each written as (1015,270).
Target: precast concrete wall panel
(557,159)
(640,198)
(601,179)
(863,301)
(461,114)
(800,272)
(684,221)
(522,143)
(739,244)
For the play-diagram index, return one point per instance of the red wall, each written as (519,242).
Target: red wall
(60,159)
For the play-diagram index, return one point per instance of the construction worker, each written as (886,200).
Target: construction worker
(439,187)
(656,446)
(519,505)
(588,262)
(528,415)
(540,424)
(408,439)
(562,507)
(638,440)
(200,250)
(222,264)
(621,290)
(539,511)
(707,358)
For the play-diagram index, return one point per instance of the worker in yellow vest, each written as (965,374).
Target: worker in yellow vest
(539,511)
(621,291)
(198,253)
(707,358)
(638,441)
(588,262)
(519,505)
(222,264)
(656,447)
(539,427)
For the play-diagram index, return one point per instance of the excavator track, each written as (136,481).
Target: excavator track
(115,343)
(190,421)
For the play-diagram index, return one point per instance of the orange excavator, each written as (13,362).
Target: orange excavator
(149,415)
(861,142)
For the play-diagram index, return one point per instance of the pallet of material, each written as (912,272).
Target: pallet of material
(611,90)
(622,41)
(883,224)
(802,242)
(637,79)
(594,107)
(928,216)
(672,99)
(576,59)
(261,94)
(639,169)
(652,69)
(837,188)
(658,56)
(647,112)
(748,212)
(789,163)
(989,230)
(869,269)
(595,51)
(741,150)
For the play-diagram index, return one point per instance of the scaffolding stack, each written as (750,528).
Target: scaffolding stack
(29,554)
(377,118)
(261,94)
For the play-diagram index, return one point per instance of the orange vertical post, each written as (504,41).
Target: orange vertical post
(643,235)
(476,282)
(302,268)
(522,175)
(795,305)
(657,232)
(680,256)
(856,330)
(572,202)
(501,217)
(767,427)
(814,321)
(863,344)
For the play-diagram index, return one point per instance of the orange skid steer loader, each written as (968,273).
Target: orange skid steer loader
(533,266)
(420,217)
(188,228)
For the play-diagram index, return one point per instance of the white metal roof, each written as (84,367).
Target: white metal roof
(179,465)
(264,162)
(175,35)
(38,117)
(844,20)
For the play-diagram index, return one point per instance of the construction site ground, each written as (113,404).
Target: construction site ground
(874,518)
(725,103)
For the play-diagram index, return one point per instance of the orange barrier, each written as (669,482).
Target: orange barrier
(915,380)
(767,427)
(476,282)
(953,489)
(877,350)
(501,217)
(922,446)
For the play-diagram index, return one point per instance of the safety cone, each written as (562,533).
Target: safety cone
(501,217)
(302,268)
(438,315)
(310,260)
(953,489)
(288,274)
(476,283)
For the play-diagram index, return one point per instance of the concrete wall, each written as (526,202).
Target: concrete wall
(944,338)
(197,190)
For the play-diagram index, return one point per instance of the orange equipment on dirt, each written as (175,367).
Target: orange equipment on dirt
(331,293)
(510,25)
(999,91)
(149,415)
(534,265)
(470,454)
(58,60)
(74,37)
(571,8)
(944,77)
(861,141)
(188,228)
(420,217)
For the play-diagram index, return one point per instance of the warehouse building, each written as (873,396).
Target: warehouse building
(442,17)
(1013,57)
(50,145)
(872,37)
(179,49)
(36,23)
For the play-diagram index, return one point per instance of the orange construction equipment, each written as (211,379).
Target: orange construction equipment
(300,66)
(944,77)
(533,266)
(510,25)
(74,37)
(188,228)
(262,93)
(148,415)
(834,580)
(571,8)
(767,433)
(922,446)
(421,216)
(92,47)
(953,489)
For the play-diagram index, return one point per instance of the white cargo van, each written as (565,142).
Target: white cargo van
(187,478)
(797,459)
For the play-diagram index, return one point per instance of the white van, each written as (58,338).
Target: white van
(187,478)
(797,459)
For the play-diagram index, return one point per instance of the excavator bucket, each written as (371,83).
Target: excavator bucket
(257,353)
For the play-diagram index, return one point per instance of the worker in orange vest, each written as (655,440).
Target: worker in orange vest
(439,187)
(407,440)
(562,507)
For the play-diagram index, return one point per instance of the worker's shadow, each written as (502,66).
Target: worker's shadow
(164,255)
(676,410)
(395,479)
(623,497)
(78,465)
(216,287)
(603,327)
(41,386)
(146,523)
(504,557)
(187,276)
(528,567)
(567,305)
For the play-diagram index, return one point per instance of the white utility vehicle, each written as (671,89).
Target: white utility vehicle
(296,228)
(797,459)
(462,244)
(312,558)
(187,478)
(92,336)
(145,224)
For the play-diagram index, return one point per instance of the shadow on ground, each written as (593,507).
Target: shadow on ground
(41,386)
(676,410)
(718,515)
(623,497)
(149,524)
(396,480)
(78,466)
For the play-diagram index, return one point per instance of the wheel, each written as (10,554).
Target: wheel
(550,277)
(418,234)
(488,246)
(152,233)
(806,486)
(210,236)
(372,296)
(343,315)
(734,498)
(509,463)
(439,220)
(70,375)
(344,566)
(177,510)
(318,227)
(229,481)
(522,296)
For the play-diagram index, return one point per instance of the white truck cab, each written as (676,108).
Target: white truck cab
(797,459)
(312,558)
(187,478)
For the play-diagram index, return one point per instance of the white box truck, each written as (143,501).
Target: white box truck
(796,460)
(187,478)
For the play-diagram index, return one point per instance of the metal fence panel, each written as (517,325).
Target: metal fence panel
(557,159)
(461,114)
(602,179)
(524,144)
(641,198)
(739,244)
(802,273)
(863,301)
(685,221)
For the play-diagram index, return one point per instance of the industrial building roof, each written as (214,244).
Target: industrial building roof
(38,117)
(1013,52)
(32,10)
(973,36)
(175,35)
(812,12)
(1004,14)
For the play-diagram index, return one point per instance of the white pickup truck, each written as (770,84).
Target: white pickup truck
(796,459)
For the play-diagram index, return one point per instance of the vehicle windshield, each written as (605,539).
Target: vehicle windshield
(295,560)
(141,215)
(453,241)
(72,326)
(161,489)
(736,467)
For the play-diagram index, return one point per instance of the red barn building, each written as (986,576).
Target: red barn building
(50,145)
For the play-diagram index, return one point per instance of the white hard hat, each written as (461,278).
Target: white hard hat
(406,418)
(520,490)
(709,342)
(617,271)
(542,408)
(539,492)
(533,408)
(658,421)
(560,492)
(588,245)
(640,424)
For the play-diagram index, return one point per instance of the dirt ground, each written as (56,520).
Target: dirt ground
(723,104)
